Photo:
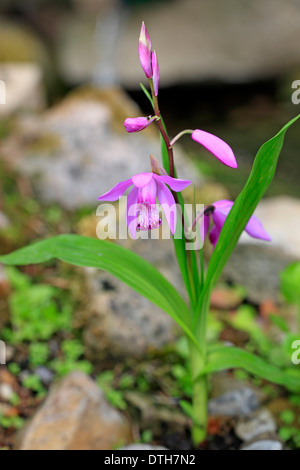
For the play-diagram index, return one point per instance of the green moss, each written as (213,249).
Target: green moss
(20,45)
(46,143)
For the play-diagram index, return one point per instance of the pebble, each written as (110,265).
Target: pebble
(259,422)
(234,403)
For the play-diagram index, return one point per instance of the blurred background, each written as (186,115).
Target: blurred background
(71,72)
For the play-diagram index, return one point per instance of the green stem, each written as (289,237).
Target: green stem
(200,396)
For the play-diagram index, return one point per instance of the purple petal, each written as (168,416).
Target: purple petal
(116,192)
(145,51)
(216,146)
(223,204)
(137,124)
(256,230)
(222,209)
(155,69)
(142,179)
(214,235)
(131,213)
(174,183)
(147,194)
(167,202)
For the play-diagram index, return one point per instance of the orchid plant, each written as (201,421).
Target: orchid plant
(222,221)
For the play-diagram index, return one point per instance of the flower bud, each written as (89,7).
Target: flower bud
(145,51)
(137,124)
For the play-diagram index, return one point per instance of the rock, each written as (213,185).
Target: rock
(256,264)
(145,447)
(217,38)
(6,392)
(259,422)
(239,402)
(75,416)
(264,445)
(4,220)
(24,88)
(79,149)
(120,322)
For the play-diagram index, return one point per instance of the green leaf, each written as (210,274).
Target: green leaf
(223,358)
(123,264)
(258,182)
(290,282)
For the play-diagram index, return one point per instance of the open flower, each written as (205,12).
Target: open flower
(216,146)
(218,213)
(142,212)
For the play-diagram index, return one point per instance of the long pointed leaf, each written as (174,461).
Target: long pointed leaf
(223,358)
(122,263)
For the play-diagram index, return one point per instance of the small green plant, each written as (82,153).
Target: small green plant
(38,354)
(35,311)
(72,351)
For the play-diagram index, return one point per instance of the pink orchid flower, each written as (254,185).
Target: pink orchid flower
(218,213)
(142,212)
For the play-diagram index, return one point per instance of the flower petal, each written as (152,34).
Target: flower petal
(147,194)
(142,179)
(137,124)
(214,235)
(168,204)
(256,230)
(131,212)
(155,69)
(116,192)
(175,184)
(216,146)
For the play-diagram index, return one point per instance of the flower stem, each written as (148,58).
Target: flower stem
(181,134)
(199,397)
(163,131)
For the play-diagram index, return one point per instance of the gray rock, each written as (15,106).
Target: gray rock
(25,89)
(75,416)
(204,40)
(120,321)
(259,422)
(146,447)
(264,445)
(79,149)
(4,221)
(239,402)
(257,264)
